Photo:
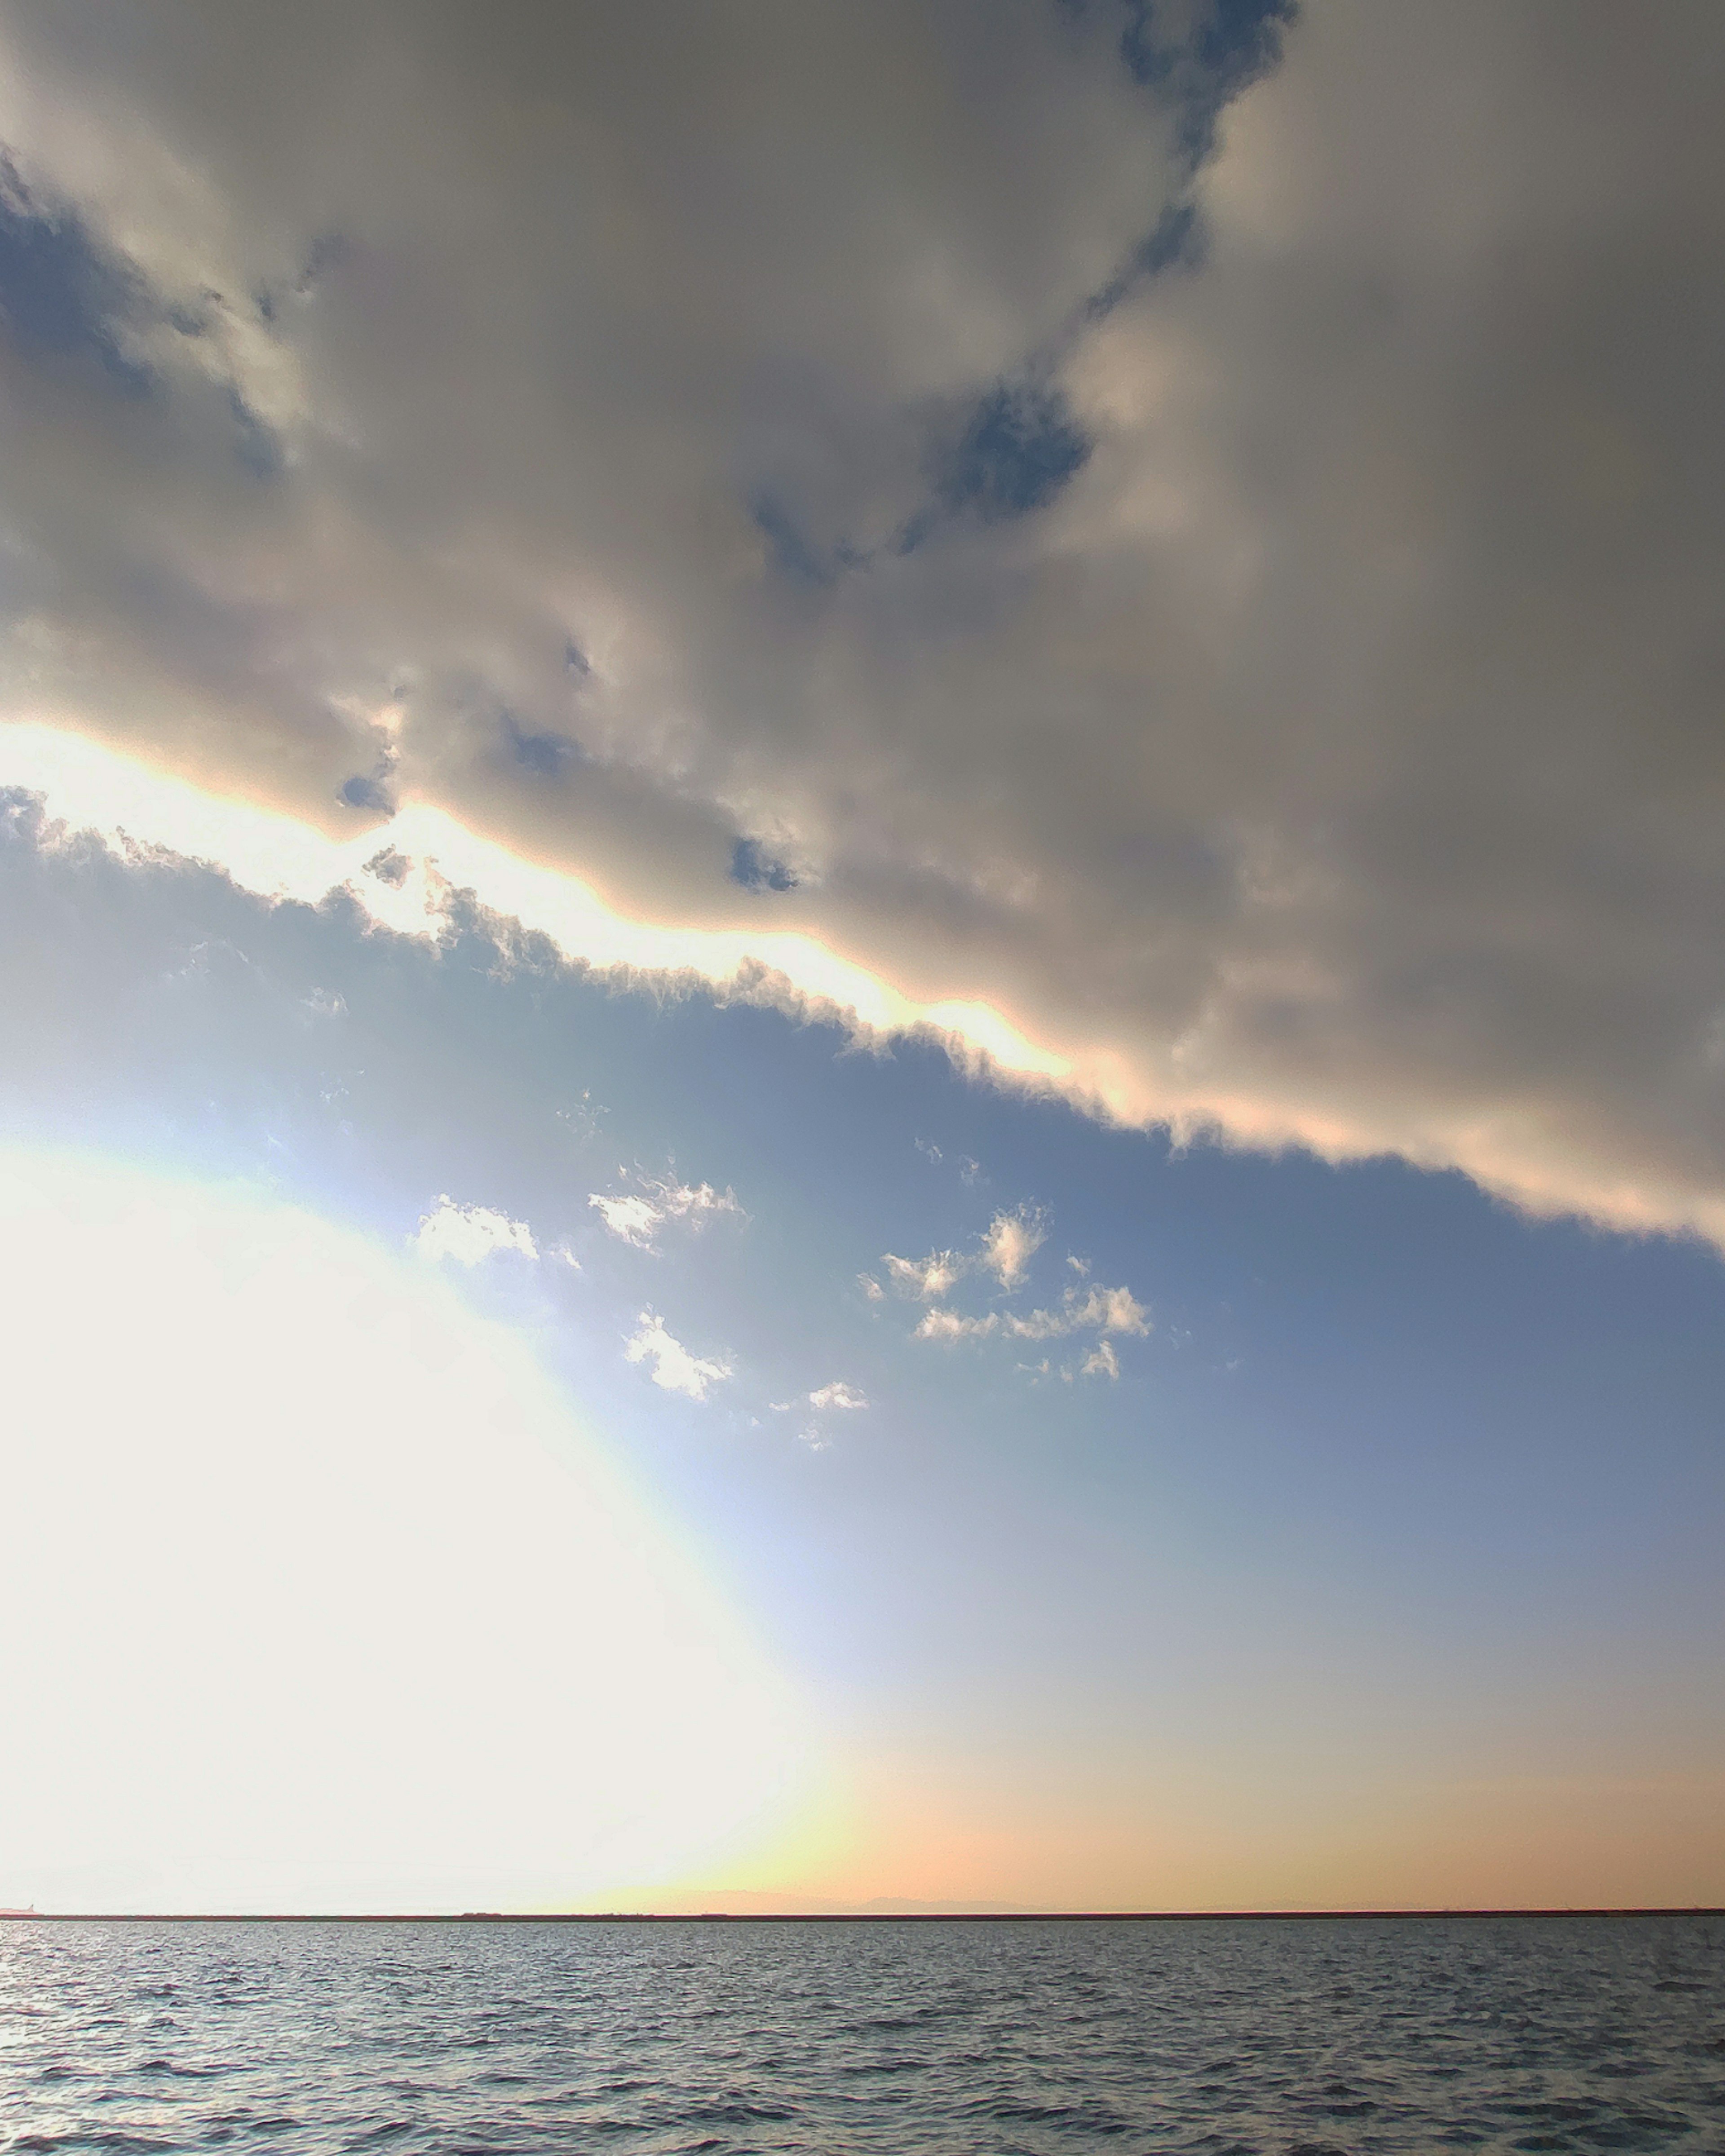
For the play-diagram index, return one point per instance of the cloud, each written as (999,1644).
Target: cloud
(838,1394)
(928,1277)
(697,1203)
(1102,1310)
(469,1234)
(1305,509)
(1112,1309)
(943,1324)
(630,1217)
(674,1367)
(837,1398)
(636,1216)
(1008,1243)
(1011,1241)
(1101,1361)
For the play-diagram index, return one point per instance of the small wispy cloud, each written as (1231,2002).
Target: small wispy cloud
(1004,1251)
(1096,1309)
(1008,1245)
(1114,1309)
(838,1395)
(674,1367)
(1011,1241)
(970,1172)
(636,1216)
(927,1278)
(1101,1309)
(943,1324)
(631,1219)
(582,1116)
(469,1234)
(837,1398)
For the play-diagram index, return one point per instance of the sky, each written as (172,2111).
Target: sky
(862,1037)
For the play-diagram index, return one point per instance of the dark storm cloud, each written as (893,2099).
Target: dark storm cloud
(1200,528)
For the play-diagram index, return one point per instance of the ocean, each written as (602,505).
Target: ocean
(1300,2037)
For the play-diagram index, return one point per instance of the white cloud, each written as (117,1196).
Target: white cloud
(928,1278)
(941,1323)
(469,1234)
(1101,1361)
(1102,1310)
(871,1287)
(698,1202)
(1112,1309)
(1012,1240)
(673,1367)
(838,1394)
(1007,1243)
(636,1216)
(631,1217)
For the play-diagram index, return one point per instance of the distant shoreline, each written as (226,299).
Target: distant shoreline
(839,1917)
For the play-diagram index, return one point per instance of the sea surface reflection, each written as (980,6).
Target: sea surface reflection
(1307,2036)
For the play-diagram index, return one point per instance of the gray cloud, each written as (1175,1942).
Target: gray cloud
(806,466)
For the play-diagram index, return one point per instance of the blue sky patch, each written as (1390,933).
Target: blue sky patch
(1230,46)
(793,555)
(60,297)
(360,791)
(1019,448)
(756,870)
(547,756)
(259,448)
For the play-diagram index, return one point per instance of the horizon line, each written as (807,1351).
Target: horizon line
(834,1916)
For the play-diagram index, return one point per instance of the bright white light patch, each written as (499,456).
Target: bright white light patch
(313,1596)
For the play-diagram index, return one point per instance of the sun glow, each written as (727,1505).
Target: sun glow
(314,1595)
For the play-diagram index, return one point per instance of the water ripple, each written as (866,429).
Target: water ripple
(1310,2038)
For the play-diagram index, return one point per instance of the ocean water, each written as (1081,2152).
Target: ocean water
(1296,2037)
